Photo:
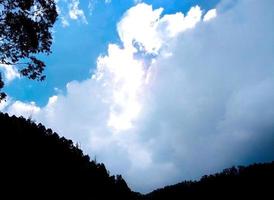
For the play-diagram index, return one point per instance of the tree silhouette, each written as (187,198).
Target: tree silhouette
(36,162)
(256,180)
(25,32)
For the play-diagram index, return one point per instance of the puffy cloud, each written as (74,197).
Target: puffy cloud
(211,14)
(208,95)
(125,83)
(141,29)
(205,106)
(149,31)
(10,72)
(177,23)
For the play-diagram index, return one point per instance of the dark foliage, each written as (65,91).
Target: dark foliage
(37,163)
(254,181)
(25,31)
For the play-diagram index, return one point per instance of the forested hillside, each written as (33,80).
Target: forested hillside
(256,180)
(36,162)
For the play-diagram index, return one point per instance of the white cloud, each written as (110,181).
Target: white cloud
(75,12)
(10,72)
(27,110)
(143,26)
(211,14)
(177,23)
(70,10)
(4,104)
(190,110)
(139,25)
(125,83)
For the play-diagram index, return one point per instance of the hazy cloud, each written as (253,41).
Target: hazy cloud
(75,12)
(25,109)
(70,10)
(10,72)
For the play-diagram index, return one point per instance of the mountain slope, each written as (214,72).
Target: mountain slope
(256,180)
(36,162)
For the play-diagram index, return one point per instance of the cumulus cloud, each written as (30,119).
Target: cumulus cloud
(206,106)
(19,108)
(10,72)
(210,15)
(144,27)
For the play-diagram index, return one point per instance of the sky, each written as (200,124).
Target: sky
(160,91)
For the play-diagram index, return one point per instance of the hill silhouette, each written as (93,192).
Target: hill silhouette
(254,181)
(37,163)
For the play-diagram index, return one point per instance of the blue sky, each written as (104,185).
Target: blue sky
(168,90)
(76,47)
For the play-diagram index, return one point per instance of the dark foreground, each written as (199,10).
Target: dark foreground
(37,163)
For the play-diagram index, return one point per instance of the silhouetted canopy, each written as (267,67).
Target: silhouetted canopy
(36,162)
(25,32)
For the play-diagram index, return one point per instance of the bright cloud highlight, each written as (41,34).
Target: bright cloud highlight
(10,72)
